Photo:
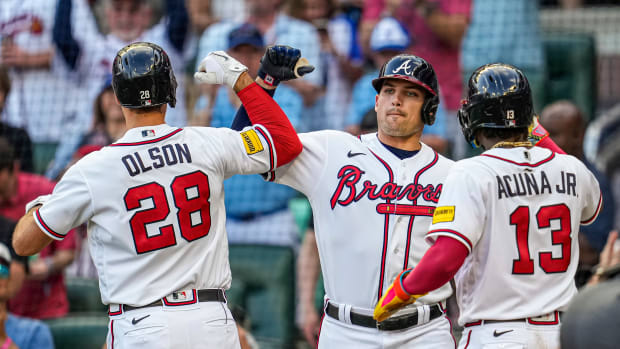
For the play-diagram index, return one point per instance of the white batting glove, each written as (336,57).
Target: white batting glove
(219,68)
(38,201)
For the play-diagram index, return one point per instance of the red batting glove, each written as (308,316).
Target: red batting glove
(536,133)
(394,298)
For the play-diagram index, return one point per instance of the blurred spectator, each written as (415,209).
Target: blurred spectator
(17,137)
(388,39)
(609,261)
(17,332)
(40,101)
(86,55)
(276,28)
(43,294)
(591,320)
(308,271)
(108,126)
(201,14)
(437,26)
(566,127)
(257,211)
(341,53)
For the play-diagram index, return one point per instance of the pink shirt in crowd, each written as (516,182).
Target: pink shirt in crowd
(445,59)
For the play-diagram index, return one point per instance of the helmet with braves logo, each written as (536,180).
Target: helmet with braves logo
(499,96)
(142,76)
(417,71)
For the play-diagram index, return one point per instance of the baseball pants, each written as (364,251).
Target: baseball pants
(433,334)
(193,326)
(511,335)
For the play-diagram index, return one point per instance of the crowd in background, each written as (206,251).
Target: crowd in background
(57,104)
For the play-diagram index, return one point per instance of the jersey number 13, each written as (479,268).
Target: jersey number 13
(191,198)
(520,218)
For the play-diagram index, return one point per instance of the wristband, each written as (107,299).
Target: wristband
(269,80)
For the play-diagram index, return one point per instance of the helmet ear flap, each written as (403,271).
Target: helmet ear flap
(429,109)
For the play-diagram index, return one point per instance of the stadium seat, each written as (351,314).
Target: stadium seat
(571,69)
(79,331)
(84,297)
(264,286)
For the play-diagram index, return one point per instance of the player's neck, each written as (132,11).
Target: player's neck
(148,119)
(404,143)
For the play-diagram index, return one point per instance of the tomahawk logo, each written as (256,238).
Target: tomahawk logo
(405,66)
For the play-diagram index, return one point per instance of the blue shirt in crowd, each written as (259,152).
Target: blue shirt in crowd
(28,333)
(250,194)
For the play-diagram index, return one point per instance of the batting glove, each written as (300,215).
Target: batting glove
(219,68)
(282,63)
(536,132)
(394,298)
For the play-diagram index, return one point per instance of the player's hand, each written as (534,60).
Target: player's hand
(394,298)
(282,63)
(219,68)
(535,132)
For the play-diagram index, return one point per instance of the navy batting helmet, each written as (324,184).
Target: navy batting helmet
(499,96)
(142,76)
(417,71)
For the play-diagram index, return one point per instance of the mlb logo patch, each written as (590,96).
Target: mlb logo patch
(148,133)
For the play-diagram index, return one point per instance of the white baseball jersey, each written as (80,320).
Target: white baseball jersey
(518,212)
(154,204)
(42,102)
(371,211)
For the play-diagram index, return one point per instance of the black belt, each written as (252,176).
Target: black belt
(391,324)
(208,295)
(529,320)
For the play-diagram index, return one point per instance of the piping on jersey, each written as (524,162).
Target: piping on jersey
(386,226)
(522,163)
(149,141)
(415,201)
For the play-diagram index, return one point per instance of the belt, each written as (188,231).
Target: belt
(530,320)
(208,295)
(391,324)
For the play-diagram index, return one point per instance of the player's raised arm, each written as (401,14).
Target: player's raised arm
(279,63)
(220,68)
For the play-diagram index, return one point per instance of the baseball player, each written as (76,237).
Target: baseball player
(506,224)
(154,204)
(372,200)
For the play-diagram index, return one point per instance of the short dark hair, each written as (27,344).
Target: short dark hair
(144,110)
(519,133)
(7,155)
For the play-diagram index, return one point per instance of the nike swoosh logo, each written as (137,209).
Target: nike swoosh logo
(351,154)
(135,321)
(497,334)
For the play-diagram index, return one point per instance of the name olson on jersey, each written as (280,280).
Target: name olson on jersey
(168,155)
(528,184)
(347,192)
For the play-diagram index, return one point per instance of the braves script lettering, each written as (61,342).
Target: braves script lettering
(348,189)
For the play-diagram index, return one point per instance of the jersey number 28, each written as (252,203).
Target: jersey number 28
(520,218)
(191,198)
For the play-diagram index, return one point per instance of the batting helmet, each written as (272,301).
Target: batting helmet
(142,76)
(417,71)
(499,96)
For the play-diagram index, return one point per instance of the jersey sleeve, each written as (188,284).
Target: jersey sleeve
(592,197)
(460,211)
(69,206)
(249,151)
(305,171)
